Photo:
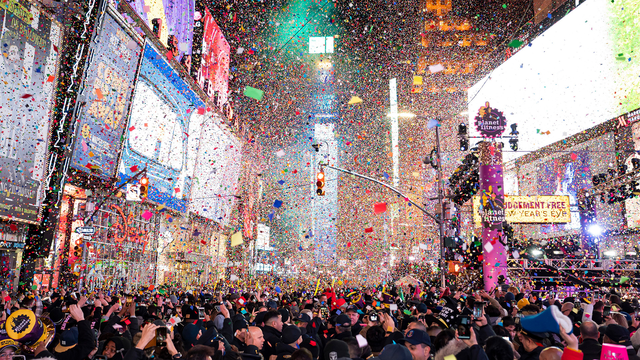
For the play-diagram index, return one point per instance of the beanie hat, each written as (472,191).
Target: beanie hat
(336,349)
(522,303)
(291,334)
(312,346)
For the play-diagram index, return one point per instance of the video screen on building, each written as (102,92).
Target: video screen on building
(579,73)
(110,82)
(31,42)
(161,135)
(217,170)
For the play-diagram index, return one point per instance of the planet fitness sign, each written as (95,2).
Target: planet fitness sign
(490,122)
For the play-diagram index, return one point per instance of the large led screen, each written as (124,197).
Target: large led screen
(110,82)
(217,171)
(211,56)
(172,20)
(31,45)
(581,72)
(158,135)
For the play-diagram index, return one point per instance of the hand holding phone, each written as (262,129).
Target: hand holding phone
(464,328)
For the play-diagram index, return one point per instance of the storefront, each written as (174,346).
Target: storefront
(12,237)
(121,251)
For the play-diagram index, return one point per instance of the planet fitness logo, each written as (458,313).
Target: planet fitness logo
(490,122)
(20,324)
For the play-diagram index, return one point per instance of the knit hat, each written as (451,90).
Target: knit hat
(312,346)
(336,349)
(291,334)
(522,303)
(509,297)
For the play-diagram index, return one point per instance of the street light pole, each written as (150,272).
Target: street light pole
(440,202)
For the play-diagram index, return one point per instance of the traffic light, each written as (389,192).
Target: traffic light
(320,183)
(77,248)
(513,142)
(462,135)
(144,187)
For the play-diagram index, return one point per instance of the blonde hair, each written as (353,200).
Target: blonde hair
(620,319)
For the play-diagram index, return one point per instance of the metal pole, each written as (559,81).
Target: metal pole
(440,202)
(385,185)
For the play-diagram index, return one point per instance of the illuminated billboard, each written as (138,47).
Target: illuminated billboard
(109,83)
(162,132)
(172,21)
(217,171)
(31,42)
(577,74)
(541,209)
(211,57)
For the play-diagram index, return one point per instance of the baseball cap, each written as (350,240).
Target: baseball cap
(417,336)
(343,321)
(351,308)
(304,318)
(68,340)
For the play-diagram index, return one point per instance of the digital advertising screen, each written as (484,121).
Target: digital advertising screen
(31,42)
(173,21)
(158,134)
(579,73)
(110,82)
(217,172)
(211,56)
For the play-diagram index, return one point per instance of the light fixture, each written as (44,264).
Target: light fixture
(557,252)
(610,253)
(411,258)
(632,253)
(595,230)
(536,252)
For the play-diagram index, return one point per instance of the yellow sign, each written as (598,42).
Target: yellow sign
(541,209)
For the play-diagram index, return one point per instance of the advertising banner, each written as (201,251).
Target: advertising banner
(540,209)
(31,42)
(162,132)
(110,82)
(492,211)
(211,57)
(217,172)
(172,20)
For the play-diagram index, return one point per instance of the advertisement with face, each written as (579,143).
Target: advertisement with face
(211,63)
(109,86)
(216,175)
(28,70)
(160,134)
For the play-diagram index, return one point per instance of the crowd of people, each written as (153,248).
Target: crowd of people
(386,323)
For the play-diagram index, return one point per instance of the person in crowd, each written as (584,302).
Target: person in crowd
(590,346)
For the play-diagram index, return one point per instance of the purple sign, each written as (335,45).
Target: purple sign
(490,122)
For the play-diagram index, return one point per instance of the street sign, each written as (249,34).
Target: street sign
(86,230)
(133,192)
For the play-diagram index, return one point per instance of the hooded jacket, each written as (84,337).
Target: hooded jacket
(453,347)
